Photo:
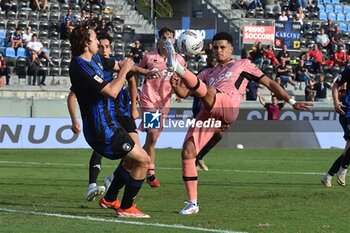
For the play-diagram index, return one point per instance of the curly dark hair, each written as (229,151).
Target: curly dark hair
(223,36)
(79,38)
(163,30)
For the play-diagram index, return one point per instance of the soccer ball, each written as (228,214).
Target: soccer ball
(190,43)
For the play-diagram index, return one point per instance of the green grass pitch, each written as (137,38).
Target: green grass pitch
(250,190)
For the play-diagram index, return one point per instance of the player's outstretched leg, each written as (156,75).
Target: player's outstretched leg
(189,79)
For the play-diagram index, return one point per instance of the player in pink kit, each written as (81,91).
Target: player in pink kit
(221,98)
(156,94)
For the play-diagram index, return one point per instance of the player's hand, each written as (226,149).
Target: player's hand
(339,108)
(153,73)
(127,64)
(75,127)
(175,81)
(302,106)
(134,113)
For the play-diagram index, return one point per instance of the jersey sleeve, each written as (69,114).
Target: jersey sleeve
(250,71)
(85,78)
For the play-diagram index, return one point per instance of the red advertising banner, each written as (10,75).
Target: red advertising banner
(265,34)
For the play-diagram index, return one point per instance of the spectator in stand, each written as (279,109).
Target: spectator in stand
(317,55)
(68,16)
(283,16)
(137,52)
(252,90)
(284,55)
(269,53)
(302,74)
(38,48)
(16,39)
(285,72)
(33,64)
(35,5)
(83,16)
(322,39)
(250,4)
(309,63)
(294,5)
(8,5)
(321,89)
(103,28)
(310,91)
(92,21)
(312,6)
(258,56)
(4,70)
(65,30)
(100,3)
(27,36)
(336,39)
(273,108)
(299,17)
(209,48)
(340,57)
(329,27)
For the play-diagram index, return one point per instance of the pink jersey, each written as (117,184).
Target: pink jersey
(157,92)
(232,77)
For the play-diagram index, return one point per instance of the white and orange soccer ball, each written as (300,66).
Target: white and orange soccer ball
(190,42)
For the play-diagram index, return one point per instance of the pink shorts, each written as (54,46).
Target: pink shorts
(225,110)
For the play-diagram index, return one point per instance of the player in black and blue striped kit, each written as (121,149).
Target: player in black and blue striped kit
(341,103)
(101,128)
(125,111)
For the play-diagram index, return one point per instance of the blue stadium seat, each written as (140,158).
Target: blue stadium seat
(329,8)
(21,52)
(338,8)
(332,15)
(343,26)
(10,52)
(340,17)
(349,27)
(327,1)
(323,15)
(321,7)
(2,34)
(347,17)
(336,1)
(346,9)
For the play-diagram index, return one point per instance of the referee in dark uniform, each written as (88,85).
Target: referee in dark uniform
(101,129)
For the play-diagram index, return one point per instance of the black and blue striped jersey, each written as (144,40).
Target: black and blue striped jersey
(88,79)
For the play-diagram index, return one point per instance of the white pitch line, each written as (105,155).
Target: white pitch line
(89,218)
(169,168)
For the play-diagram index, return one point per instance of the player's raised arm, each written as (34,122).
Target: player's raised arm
(338,106)
(282,94)
(113,88)
(133,95)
